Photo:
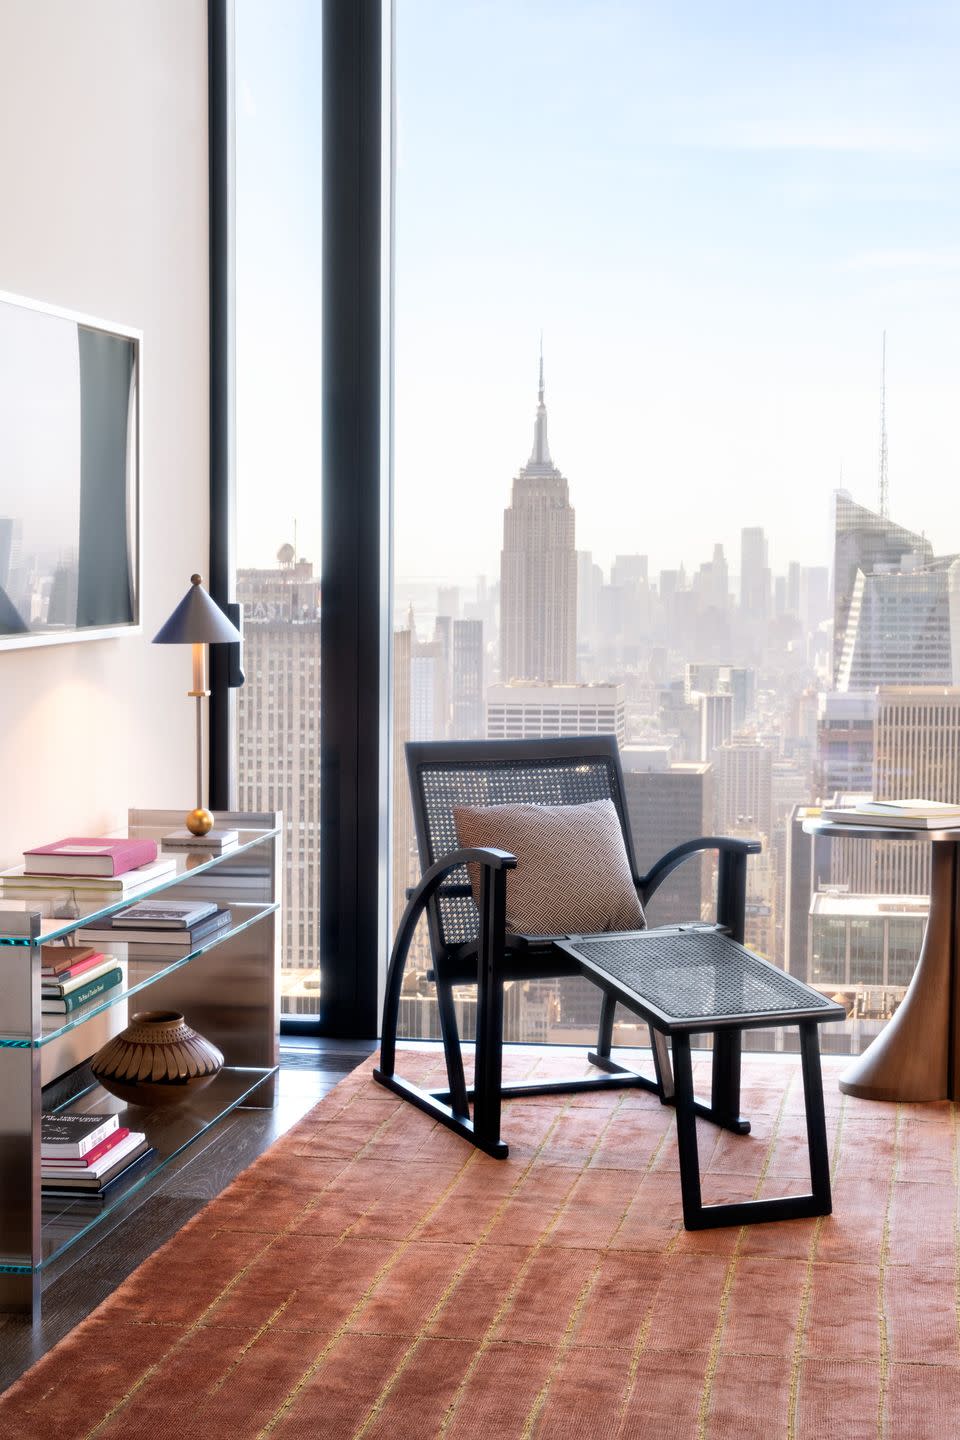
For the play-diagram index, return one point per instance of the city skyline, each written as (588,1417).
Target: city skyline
(713,215)
(714,235)
(711,229)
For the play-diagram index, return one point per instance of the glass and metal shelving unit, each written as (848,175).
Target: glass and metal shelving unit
(228,989)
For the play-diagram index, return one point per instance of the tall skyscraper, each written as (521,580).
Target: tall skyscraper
(712,581)
(845,743)
(538,570)
(865,542)
(278,747)
(716,722)
(744,787)
(466,687)
(668,805)
(589,586)
(903,628)
(917,747)
(754,573)
(916,752)
(807,867)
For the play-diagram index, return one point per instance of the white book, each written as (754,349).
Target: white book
(94,885)
(213,840)
(51,988)
(50,1170)
(175,914)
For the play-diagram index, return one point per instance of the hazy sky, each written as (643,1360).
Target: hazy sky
(712,211)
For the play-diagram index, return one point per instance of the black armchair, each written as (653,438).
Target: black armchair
(470,945)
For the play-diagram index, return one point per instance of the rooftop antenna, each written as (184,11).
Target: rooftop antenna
(884,477)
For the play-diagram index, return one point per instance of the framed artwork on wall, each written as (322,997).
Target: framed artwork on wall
(69,476)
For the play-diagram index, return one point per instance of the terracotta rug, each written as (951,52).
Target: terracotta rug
(372,1275)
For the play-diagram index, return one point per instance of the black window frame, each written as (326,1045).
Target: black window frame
(355,409)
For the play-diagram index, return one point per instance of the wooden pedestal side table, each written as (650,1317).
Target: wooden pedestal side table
(917,1055)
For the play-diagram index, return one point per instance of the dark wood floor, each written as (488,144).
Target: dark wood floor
(92,1269)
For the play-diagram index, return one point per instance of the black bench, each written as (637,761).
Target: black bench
(687,981)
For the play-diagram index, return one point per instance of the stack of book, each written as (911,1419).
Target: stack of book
(71,975)
(160,929)
(84,1155)
(896,814)
(94,871)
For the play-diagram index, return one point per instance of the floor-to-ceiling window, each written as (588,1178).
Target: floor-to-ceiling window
(689,273)
(278,470)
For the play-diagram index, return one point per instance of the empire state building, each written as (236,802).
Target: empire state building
(538,570)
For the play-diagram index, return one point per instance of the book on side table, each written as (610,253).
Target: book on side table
(911,814)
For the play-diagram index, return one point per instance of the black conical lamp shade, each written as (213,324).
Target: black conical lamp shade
(197,620)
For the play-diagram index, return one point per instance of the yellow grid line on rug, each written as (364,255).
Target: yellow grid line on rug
(713,1356)
(882,1277)
(807,1291)
(522,1273)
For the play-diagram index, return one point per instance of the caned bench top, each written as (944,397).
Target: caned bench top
(696,979)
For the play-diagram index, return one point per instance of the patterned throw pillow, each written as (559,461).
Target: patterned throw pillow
(572,876)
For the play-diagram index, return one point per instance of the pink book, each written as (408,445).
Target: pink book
(72,971)
(79,855)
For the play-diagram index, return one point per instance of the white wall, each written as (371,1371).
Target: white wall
(103,209)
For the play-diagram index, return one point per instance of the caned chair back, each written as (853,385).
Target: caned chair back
(445,774)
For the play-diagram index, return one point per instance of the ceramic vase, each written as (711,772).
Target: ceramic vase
(157,1060)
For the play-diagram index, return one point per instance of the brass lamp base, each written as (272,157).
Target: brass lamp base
(199,821)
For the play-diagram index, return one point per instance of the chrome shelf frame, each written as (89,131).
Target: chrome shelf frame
(229,988)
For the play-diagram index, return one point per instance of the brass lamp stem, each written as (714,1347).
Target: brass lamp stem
(199,752)
(199,821)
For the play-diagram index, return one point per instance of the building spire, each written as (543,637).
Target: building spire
(540,455)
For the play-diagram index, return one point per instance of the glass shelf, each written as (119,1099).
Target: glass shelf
(170,1129)
(139,974)
(63,909)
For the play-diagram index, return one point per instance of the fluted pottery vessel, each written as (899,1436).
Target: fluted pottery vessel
(157,1060)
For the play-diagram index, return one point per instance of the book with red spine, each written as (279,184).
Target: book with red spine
(51,976)
(91,1177)
(57,960)
(80,1162)
(85,855)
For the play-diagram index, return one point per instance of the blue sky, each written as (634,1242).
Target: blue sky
(712,211)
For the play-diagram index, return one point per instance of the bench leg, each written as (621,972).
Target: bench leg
(687,1133)
(696,1215)
(452,1054)
(816,1119)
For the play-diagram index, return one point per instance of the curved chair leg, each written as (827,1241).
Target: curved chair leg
(608,1010)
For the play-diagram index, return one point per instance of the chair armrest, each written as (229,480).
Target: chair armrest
(433,878)
(727,845)
(494,862)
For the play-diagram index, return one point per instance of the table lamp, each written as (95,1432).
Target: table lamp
(198,621)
